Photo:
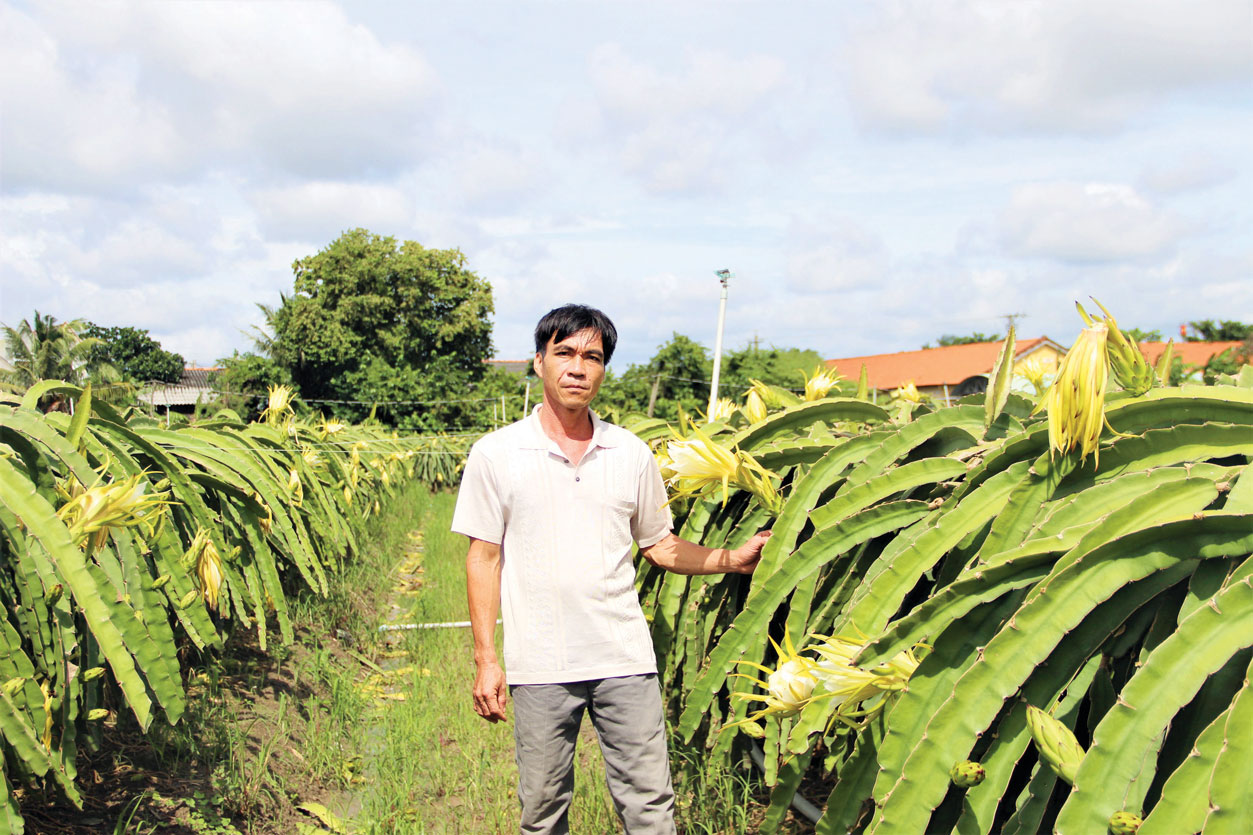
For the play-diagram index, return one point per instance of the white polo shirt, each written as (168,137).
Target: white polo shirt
(568,599)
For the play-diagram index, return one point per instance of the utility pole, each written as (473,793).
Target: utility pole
(1011,319)
(652,398)
(724,276)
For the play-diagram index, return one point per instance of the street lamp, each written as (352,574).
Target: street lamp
(724,276)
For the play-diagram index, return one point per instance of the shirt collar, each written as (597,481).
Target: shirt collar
(536,438)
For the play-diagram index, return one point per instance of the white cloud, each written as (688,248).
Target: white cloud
(633,92)
(681,131)
(136,250)
(152,90)
(164,163)
(1086,222)
(833,256)
(321,211)
(1063,65)
(1186,173)
(490,175)
(69,122)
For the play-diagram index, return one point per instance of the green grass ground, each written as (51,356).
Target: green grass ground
(434,765)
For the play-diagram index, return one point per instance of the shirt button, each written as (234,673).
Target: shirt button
(576,478)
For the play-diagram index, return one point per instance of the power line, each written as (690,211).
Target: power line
(495,399)
(706,382)
(272,451)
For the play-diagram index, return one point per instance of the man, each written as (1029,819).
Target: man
(552,505)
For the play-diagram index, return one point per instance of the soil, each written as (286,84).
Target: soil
(127,781)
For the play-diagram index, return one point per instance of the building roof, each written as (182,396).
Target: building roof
(1192,353)
(950,365)
(192,388)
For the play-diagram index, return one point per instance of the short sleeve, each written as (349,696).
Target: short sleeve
(478,513)
(652,519)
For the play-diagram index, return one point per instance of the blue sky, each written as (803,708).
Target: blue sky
(874,174)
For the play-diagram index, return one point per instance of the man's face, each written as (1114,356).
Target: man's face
(572,369)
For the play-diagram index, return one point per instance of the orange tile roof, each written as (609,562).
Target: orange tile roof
(950,365)
(1192,353)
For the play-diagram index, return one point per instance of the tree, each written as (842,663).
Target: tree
(1207,330)
(135,354)
(784,367)
(370,317)
(1137,335)
(680,371)
(52,350)
(950,339)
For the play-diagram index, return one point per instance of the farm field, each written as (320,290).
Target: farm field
(1017,613)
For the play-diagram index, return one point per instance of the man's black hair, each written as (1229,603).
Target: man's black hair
(560,323)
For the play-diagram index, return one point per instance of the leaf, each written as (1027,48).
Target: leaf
(997,394)
(82,411)
(326,817)
(1055,608)
(1167,680)
(1184,802)
(795,418)
(1029,563)
(897,480)
(751,622)
(30,400)
(89,588)
(1164,363)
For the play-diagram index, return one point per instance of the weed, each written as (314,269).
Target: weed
(709,800)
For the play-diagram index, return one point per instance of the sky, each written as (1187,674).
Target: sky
(873,174)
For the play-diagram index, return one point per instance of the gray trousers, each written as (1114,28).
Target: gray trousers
(626,713)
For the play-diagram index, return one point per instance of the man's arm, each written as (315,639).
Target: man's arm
(684,557)
(491,695)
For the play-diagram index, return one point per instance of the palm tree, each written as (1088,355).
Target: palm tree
(51,350)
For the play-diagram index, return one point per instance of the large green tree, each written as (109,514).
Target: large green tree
(134,353)
(371,319)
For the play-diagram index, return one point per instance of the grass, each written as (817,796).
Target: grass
(437,767)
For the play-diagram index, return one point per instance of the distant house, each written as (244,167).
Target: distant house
(955,371)
(1195,354)
(951,372)
(192,388)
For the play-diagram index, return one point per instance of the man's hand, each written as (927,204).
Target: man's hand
(491,694)
(676,554)
(745,558)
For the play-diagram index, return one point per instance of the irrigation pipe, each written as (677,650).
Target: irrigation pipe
(388,627)
(799,803)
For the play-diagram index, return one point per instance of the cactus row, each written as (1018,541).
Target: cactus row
(1107,588)
(127,548)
